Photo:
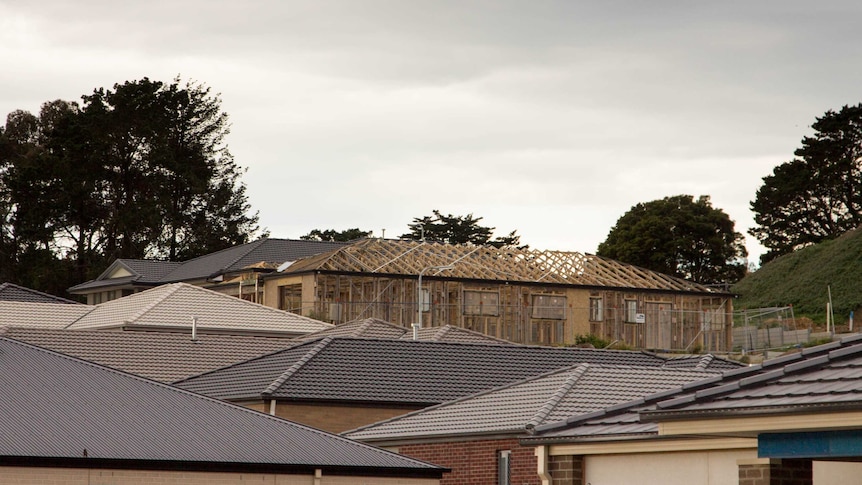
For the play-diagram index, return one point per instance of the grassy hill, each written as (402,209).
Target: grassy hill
(801,279)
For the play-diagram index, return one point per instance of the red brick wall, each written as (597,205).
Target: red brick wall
(475,462)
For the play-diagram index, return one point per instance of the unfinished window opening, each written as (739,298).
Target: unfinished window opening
(596,309)
(631,311)
(481,303)
(290,298)
(549,306)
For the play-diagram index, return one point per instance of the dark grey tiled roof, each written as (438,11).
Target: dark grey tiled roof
(274,251)
(515,408)
(56,407)
(703,362)
(395,371)
(817,379)
(164,357)
(13,292)
(149,270)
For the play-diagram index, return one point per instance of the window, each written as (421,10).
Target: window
(549,306)
(481,303)
(631,311)
(290,298)
(504,466)
(596,312)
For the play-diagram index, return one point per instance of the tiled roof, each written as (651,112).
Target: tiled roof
(43,315)
(149,270)
(268,250)
(161,356)
(174,305)
(395,371)
(817,379)
(703,362)
(517,407)
(56,407)
(398,257)
(13,292)
(376,328)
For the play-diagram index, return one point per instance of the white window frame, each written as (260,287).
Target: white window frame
(504,467)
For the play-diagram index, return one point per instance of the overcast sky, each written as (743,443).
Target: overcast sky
(553,118)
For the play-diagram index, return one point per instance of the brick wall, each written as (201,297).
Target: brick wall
(777,472)
(82,476)
(566,470)
(475,462)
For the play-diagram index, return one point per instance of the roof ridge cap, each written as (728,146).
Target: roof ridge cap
(366,325)
(274,385)
(172,288)
(549,405)
(252,246)
(704,362)
(441,333)
(73,322)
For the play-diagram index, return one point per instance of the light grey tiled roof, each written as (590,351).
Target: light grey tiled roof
(174,305)
(56,407)
(395,371)
(44,315)
(13,292)
(380,329)
(515,408)
(818,379)
(162,356)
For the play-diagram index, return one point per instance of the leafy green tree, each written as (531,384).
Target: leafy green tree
(818,195)
(679,236)
(457,230)
(333,235)
(138,171)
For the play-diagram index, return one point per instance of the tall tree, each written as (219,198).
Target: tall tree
(457,230)
(817,195)
(679,236)
(138,171)
(333,235)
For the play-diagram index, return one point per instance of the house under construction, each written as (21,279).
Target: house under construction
(521,295)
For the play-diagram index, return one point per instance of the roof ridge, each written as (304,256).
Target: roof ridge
(73,322)
(441,333)
(704,362)
(252,246)
(558,396)
(171,289)
(280,380)
(366,325)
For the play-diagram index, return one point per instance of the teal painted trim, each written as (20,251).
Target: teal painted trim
(822,444)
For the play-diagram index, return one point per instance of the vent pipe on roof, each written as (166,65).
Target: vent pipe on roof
(415,331)
(194,329)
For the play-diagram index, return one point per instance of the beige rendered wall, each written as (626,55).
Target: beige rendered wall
(336,419)
(578,312)
(837,473)
(679,468)
(82,476)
